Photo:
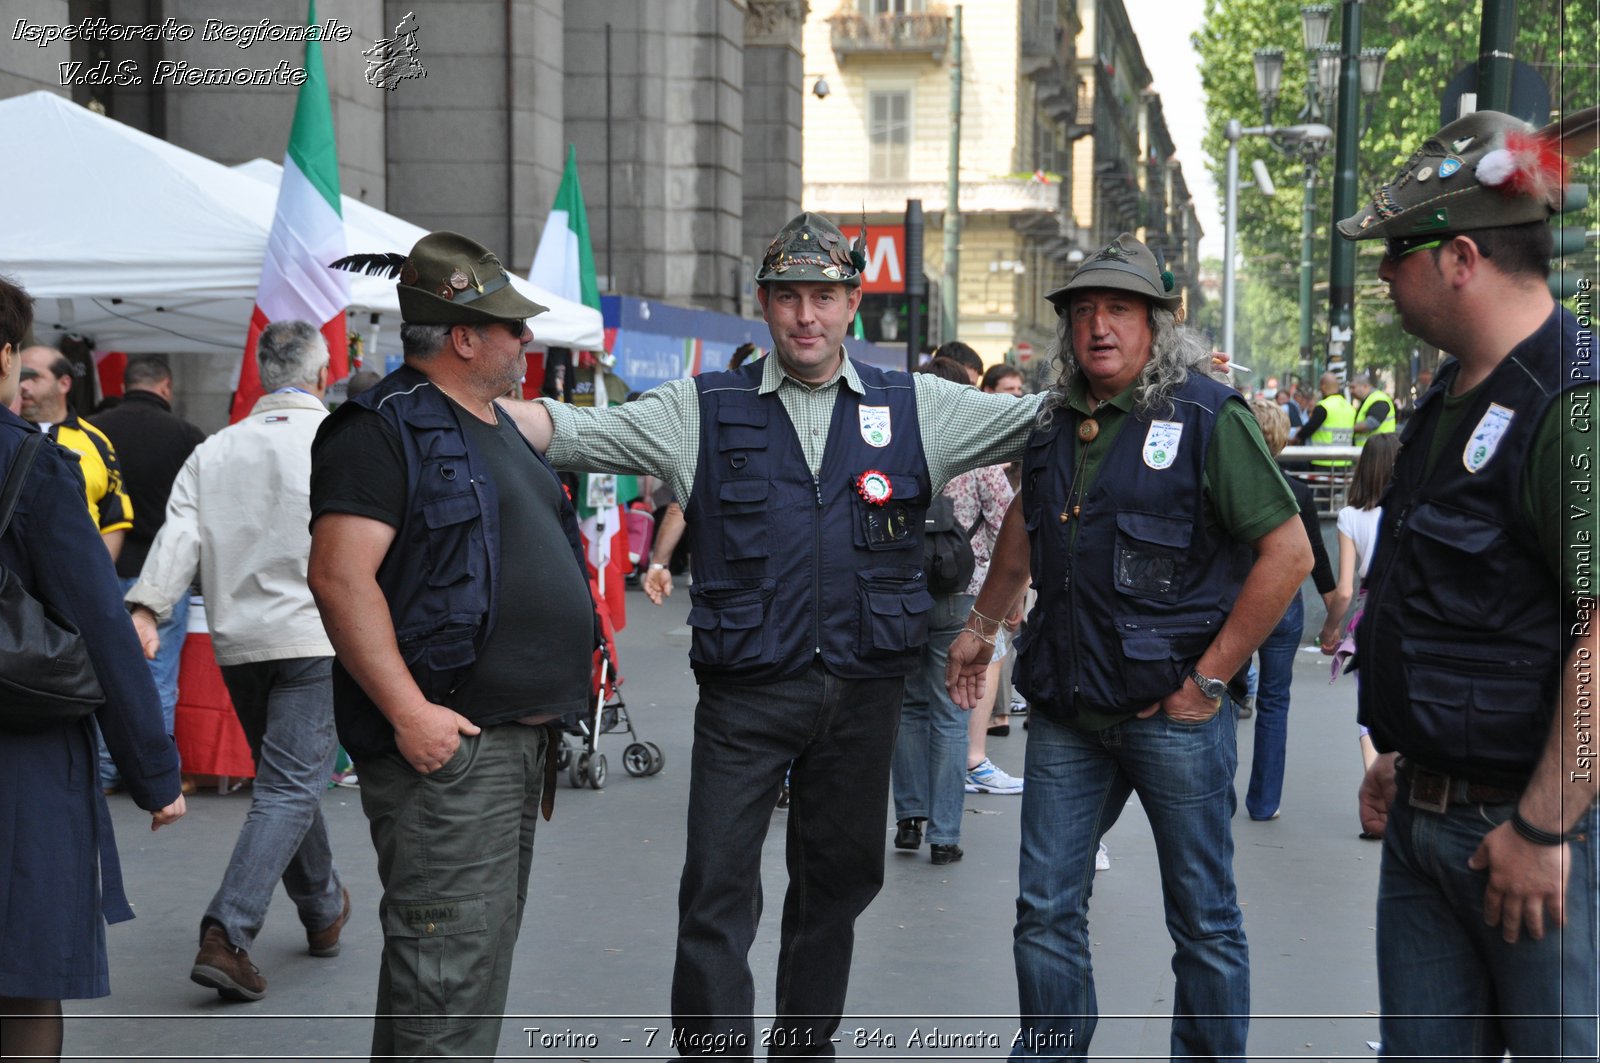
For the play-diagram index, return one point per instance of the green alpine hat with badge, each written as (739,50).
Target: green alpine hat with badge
(1484,170)
(1125,264)
(811,248)
(448,279)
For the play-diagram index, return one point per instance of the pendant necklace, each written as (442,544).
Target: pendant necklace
(1088,431)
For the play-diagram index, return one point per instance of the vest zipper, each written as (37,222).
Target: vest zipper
(816,570)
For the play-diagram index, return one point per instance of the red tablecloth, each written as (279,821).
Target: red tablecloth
(209,737)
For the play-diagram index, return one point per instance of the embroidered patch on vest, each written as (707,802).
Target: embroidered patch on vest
(1161,443)
(875,427)
(1485,438)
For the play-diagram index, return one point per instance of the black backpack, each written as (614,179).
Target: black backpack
(947,558)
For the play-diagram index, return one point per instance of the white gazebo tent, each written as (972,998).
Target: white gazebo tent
(142,246)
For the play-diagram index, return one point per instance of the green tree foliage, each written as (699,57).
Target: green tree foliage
(1428,42)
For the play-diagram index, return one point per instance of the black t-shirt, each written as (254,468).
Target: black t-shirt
(537,658)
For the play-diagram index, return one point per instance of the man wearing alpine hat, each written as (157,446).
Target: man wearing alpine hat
(1146,489)
(805,477)
(1476,648)
(452,648)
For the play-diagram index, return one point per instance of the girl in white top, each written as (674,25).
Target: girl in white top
(1358,541)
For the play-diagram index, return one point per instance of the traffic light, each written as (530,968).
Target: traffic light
(1570,241)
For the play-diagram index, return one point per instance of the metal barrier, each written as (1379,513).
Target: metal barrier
(1330,484)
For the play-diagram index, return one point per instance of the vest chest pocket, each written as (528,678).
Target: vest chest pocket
(743,513)
(1151,555)
(451,522)
(728,618)
(742,440)
(892,525)
(893,606)
(1457,572)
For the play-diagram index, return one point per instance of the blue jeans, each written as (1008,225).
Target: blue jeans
(930,755)
(1449,985)
(163,669)
(1272,712)
(286,710)
(1077,785)
(839,734)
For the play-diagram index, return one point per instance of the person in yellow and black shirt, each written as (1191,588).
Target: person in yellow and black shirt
(46,381)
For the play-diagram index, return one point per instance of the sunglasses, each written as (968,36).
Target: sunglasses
(1397,247)
(519,329)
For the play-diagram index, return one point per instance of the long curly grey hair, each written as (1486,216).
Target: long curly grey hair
(1174,351)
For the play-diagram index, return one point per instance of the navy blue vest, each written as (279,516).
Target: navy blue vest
(442,571)
(1127,606)
(1461,643)
(788,566)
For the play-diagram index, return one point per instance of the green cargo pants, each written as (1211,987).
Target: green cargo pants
(454,850)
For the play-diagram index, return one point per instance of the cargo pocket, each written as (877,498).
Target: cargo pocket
(1473,707)
(728,618)
(1151,555)
(742,440)
(436,955)
(1158,652)
(1456,542)
(451,521)
(744,519)
(894,604)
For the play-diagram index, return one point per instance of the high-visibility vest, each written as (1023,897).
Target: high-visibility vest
(1336,430)
(1388,424)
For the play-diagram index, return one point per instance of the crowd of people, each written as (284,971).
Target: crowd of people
(865,547)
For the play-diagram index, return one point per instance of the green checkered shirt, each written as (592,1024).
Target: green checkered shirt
(658,434)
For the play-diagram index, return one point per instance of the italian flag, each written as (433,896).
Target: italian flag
(564,261)
(307,234)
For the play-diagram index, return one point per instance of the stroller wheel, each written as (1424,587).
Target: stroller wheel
(636,760)
(577,770)
(597,771)
(658,759)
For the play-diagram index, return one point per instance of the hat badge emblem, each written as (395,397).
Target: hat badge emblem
(458,280)
(1448,167)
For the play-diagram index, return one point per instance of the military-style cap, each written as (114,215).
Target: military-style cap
(1483,170)
(449,279)
(811,248)
(1125,264)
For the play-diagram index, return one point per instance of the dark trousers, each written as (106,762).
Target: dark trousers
(839,736)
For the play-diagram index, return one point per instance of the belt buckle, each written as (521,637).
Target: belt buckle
(1429,790)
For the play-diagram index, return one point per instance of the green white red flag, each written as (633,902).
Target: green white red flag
(307,234)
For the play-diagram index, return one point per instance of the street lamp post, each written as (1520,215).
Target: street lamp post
(1308,140)
(1328,79)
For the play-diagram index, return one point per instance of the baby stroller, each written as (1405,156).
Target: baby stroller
(579,755)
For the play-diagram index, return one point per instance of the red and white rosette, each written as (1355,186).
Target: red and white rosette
(875,487)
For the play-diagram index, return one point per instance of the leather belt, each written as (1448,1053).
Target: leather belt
(1435,791)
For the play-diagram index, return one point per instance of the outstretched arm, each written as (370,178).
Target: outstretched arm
(658,581)
(1008,578)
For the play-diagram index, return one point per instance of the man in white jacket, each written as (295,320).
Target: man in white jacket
(239,518)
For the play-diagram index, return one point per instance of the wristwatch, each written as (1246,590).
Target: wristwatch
(1211,688)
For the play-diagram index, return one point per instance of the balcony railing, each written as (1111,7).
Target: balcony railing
(921,33)
(995,195)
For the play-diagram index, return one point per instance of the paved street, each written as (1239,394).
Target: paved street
(933,955)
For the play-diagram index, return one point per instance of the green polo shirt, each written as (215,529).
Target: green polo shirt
(1244,495)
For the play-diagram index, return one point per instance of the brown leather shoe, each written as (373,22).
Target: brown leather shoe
(325,942)
(226,968)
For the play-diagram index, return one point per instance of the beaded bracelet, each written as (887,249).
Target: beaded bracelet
(986,619)
(1531,833)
